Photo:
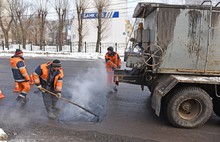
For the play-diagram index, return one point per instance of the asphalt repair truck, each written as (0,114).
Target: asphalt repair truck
(175,52)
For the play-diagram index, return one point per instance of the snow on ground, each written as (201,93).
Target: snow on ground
(3,136)
(59,55)
(41,54)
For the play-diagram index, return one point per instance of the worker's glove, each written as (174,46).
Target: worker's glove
(40,88)
(59,95)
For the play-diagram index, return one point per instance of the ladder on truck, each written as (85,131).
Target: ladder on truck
(210,28)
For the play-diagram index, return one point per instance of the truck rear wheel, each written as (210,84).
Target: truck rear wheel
(189,107)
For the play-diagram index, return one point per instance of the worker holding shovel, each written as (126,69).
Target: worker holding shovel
(49,76)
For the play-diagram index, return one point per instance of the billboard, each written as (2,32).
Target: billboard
(94,15)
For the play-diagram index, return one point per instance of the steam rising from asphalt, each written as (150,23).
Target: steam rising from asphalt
(13,115)
(88,90)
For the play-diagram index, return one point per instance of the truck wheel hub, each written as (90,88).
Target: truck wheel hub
(189,109)
(186,106)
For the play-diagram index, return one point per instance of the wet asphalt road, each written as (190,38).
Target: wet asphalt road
(126,115)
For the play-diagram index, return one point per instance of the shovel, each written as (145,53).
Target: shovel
(68,101)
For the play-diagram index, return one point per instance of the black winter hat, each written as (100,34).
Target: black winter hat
(56,63)
(110,48)
(18,51)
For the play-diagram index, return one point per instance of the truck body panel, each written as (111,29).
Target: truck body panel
(182,32)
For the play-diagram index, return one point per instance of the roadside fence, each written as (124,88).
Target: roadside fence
(87,47)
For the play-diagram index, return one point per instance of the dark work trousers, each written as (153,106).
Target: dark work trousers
(49,100)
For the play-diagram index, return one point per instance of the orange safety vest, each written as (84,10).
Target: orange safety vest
(112,61)
(43,71)
(18,68)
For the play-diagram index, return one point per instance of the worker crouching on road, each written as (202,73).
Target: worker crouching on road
(20,75)
(50,76)
(113,62)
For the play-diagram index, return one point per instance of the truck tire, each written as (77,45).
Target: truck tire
(216,106)
(189,107)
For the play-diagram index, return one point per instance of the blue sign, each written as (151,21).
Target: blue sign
(94,15)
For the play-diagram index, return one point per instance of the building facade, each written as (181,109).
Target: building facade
(115,24)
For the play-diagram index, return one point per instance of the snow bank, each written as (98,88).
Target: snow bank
(66,55)
(3,135)
(59,55)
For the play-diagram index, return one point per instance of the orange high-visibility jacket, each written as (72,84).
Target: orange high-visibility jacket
(42,72)
(112,60)
(18,68)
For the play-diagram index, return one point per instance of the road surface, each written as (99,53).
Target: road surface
(124,116)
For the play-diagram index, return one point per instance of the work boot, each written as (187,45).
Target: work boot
(115,89)
(117,83)
(22,99)
(56,110)
(50,114)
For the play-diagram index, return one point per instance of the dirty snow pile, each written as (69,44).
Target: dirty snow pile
(40,54)
(3,135)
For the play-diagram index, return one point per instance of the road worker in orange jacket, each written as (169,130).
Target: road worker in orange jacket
(113,62)
(20,75)
(50,76)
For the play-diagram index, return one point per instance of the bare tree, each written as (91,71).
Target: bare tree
(105,28)
(35,30)
(81,6)
(15,30)
(42,11)
(101,6)
(6,18)
(52,27)
(23,17)
(61,7)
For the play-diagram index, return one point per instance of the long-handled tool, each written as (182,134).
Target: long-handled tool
(66,100)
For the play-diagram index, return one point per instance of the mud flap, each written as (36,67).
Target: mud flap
(164,85)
